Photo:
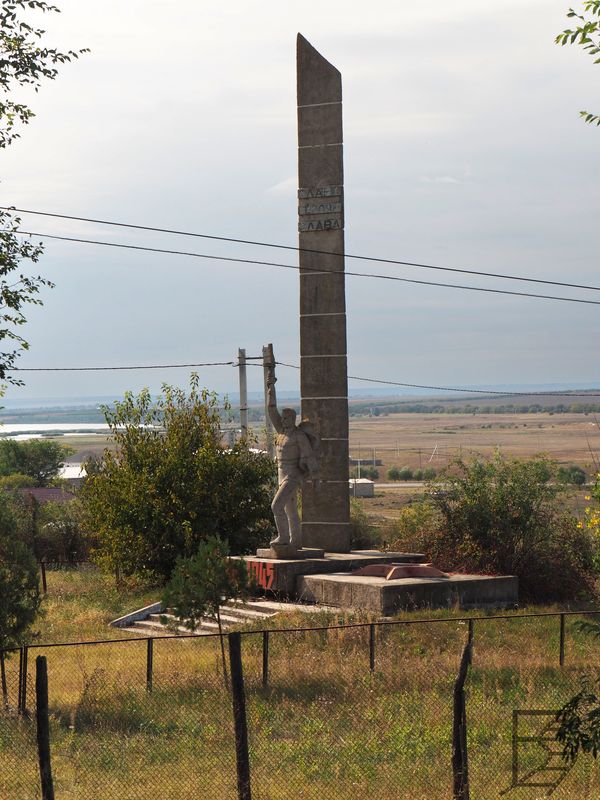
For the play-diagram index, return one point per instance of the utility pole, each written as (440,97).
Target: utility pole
(243,392)
(268,361)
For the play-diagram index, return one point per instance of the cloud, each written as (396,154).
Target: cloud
(285,187)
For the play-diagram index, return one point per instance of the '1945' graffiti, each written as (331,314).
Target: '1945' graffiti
(264,574)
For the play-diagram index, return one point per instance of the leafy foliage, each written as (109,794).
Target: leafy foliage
(24,61)
(591,520)
(61,536)
(363,533)
(587,36)
(201,584)
(502,516)
(39,459)
(572,474)
(579,721)
(171,484)
(372,473)
(19,586)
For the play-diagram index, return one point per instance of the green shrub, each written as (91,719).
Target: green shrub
(19,582)
(572,474)
(429,474)
(365,472)
(406,474)
(393,474)
(363,534)
(502,517)
(16,481)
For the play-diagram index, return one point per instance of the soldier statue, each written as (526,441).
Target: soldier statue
(297,449)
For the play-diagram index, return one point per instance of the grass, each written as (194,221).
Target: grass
(324,728)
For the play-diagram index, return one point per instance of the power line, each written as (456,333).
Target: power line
(230,259)
(296,367)
(112,369)
(458,389)
(233,240)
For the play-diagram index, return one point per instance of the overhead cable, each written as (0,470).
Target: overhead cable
(251,242)
(382,381)
(230,259)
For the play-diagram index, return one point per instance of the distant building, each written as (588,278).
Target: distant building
(361,487)
(46,494)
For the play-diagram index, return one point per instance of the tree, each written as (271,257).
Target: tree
(39,459)
(19,585)
(200,585)
(24,61)
(170,484)
(586,35)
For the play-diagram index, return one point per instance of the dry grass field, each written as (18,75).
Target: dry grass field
(324,727)
(422,440)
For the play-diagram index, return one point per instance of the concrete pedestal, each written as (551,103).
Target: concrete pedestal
(281,576)
(385,597)
(288,551)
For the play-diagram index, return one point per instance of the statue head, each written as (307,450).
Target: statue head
(288,419)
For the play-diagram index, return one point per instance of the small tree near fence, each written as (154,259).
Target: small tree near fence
(201,584)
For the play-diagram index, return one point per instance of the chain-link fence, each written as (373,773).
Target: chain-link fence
(341,712)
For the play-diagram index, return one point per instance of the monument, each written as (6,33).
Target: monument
(312,558)
(323,360)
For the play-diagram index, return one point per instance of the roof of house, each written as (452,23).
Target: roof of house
(48,494)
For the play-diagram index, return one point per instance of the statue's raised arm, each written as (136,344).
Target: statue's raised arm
(274,414)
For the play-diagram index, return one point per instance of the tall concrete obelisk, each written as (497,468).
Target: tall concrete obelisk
(323,375)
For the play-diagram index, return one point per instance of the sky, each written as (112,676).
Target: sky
(463,148)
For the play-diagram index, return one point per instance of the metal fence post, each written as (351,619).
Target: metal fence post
(3,680)
(372,647)
(149,663)
(22,700)
(43,727)
(265,659)
(238,697)
(20,684)
(561,656)
(460,763)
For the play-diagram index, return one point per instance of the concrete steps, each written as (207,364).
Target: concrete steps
(148,621)
(233,615)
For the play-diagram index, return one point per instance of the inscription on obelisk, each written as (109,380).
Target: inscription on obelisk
(323,375)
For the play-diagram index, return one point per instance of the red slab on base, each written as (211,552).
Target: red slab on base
(392,572)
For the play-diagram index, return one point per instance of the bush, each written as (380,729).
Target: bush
(61,535)
(15,481)
(365,472)
(502,517)
(363,534)
(393,474)
(19,583)
(406,474)
(571,474)
(429,474)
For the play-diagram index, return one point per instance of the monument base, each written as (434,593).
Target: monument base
(385,597)
(280,575)
(288,551)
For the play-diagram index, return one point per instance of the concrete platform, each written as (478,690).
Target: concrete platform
(385,597)
(280,576)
